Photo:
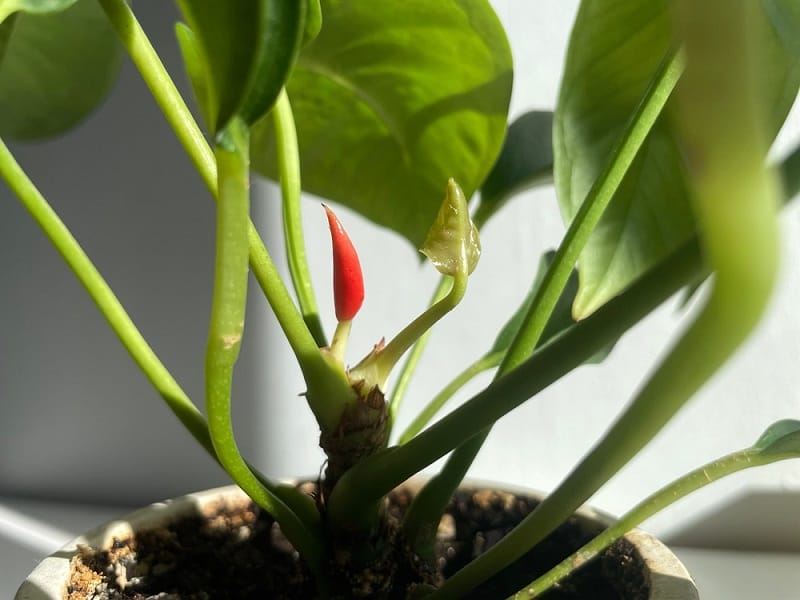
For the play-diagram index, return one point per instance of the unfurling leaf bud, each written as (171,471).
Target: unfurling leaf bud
(348,281)
(452,244)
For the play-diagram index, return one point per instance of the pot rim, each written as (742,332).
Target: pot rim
(668,578)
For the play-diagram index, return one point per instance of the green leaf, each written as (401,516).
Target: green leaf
(249,47)
(560,319)
(56,70)
(616,46)
(6,27)
(782,437)
(392,99)
(526,160)
(281,38)
(313,21)
(195,70)
(9,7)
(228,34)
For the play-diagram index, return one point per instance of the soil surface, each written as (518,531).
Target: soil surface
(241,554)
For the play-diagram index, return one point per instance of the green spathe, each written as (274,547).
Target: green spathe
(452,244)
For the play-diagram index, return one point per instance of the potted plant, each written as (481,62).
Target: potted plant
(386,107)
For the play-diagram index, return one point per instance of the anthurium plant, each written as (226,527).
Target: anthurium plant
(398,109)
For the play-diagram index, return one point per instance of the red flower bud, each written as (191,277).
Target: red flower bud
(348,282)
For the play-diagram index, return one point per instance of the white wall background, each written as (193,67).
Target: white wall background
(63,376)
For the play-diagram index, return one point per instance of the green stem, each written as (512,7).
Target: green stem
(409,367)
(403,340)
(376,367)
(339,341)
(289,169)
(225,333)
(179,117)
(377,475)
(230,292)
(591,210)
(484,363)
(734,200)
(669,494)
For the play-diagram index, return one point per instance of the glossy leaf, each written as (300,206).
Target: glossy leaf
(560,319)
(248,47)
(526,160)
(782,437)
(9,7)
(228,34)
(6,27)
(195,69)
(313,21)
(56,70)
(650,214)
(281,36)
(392,99)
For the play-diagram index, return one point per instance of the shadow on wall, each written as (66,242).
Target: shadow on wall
(759,521)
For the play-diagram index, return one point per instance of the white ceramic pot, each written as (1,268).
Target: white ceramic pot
(667,577)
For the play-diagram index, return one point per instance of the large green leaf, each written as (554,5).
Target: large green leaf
(57,68)
(615,47)
(393,98)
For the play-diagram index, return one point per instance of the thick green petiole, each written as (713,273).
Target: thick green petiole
(230,290)
(226,328)
(407,370)
(289,169)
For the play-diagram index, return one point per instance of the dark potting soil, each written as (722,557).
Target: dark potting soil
(240,554)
